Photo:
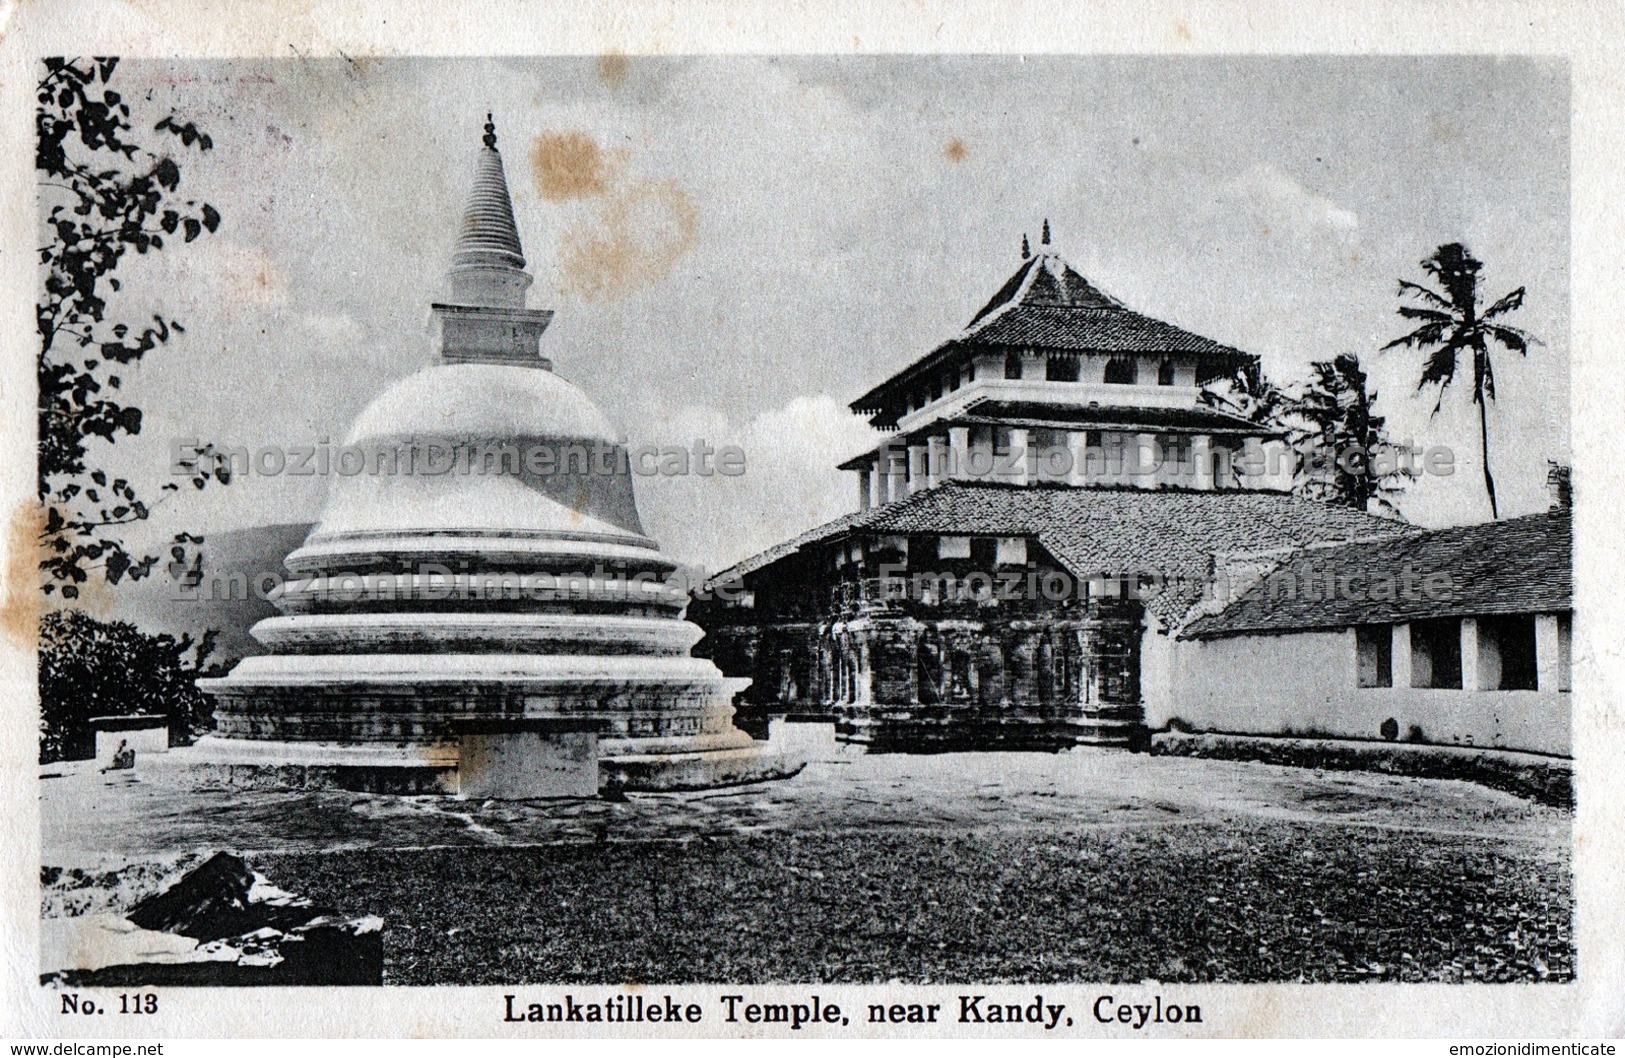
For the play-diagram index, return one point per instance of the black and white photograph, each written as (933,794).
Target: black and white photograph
(782,543)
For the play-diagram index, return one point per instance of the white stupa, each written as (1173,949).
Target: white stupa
(428,603)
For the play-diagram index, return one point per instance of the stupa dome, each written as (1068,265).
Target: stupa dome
(480,574)
(523,469)
(482,401)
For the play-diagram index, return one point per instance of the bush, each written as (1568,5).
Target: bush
(92,668)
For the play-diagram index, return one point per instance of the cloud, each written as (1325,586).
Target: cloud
(790,482)
(1278,204)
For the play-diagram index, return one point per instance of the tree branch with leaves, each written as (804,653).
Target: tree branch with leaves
(103,194)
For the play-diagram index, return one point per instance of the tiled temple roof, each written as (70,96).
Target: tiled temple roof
(1520,565)
(1111,532)
(1047,305)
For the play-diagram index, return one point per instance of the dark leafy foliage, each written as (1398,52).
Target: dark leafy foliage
(1449,325)
(1330,416)
(89,667)
(1344,455)
(104,194)
(1249,394)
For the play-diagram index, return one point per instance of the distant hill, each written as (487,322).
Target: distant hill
(153,605)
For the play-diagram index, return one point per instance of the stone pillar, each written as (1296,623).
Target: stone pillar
(958,451)
(1075,446)
(1033,366)
(916,469)
(1548,654)
(936,453)
(982,460)
(1470,673)
(882,479)
(1401,656)
(865,484)
(899,480)
(1145,454)
(1202,455)
(1020,456)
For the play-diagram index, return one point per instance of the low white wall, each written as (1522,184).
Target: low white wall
(142,740)
(1305,683)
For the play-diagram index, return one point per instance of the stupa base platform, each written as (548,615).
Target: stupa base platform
(698,771)
(442,769)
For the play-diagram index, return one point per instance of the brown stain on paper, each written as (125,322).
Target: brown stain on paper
(567,165)
(641,233)
(636,230)
(956,151)
(256,286)
(613,68)
(24,603)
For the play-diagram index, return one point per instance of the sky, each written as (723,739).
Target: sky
(736,247)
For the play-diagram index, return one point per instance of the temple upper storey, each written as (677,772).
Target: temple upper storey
(1055,381)
(485,320)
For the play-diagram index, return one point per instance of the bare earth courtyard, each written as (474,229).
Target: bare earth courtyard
(1085,866)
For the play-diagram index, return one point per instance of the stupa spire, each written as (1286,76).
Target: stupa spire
(485,320)
(488,266)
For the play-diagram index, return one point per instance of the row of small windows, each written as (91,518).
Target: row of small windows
(1120,371)
(1507,654)
(984,550)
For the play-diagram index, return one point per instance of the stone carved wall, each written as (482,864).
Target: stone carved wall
(912,680)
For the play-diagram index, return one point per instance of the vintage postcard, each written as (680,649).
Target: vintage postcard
(1029,522)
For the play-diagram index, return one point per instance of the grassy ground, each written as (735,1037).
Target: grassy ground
(1250,899)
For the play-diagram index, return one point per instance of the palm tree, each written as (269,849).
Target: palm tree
(1450,324)
(1330,420)
(1246,393)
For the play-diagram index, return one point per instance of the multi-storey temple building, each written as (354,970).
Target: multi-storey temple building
(1053,498)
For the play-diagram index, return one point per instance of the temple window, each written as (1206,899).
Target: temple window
(1506,653)
(1436,653)
(1061,369)
(1011,551)
(1165,373)
(1012,366)
(1374,655)
(1176,451)
(1122,371)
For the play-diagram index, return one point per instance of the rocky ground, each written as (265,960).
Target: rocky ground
(1000,867)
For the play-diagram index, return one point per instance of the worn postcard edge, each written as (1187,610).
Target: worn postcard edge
(1588,36)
